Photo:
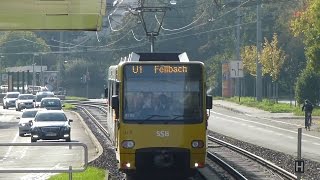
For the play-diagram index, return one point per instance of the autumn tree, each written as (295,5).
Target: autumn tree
(271,58)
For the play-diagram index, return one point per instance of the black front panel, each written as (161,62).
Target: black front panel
(51,132)
(162,159)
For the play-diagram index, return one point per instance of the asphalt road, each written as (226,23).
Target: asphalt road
(40,157)
(278,134)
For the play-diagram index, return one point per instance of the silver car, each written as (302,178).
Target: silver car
(26,119)
(24,101)
(10,99)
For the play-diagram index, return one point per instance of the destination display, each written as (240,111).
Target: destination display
(165,70)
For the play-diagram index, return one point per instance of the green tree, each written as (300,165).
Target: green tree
(307,86)
(75,78)
(19,47)
(306,25)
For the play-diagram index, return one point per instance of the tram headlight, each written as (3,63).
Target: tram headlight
(197,144)
(128,144)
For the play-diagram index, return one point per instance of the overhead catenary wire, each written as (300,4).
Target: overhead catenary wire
(165,29)
(77,51)
(130,47)
(136,37)
(201,23)
(219,29)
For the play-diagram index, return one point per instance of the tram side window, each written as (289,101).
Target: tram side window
(117,87)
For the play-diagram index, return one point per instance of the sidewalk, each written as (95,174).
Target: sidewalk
(251,111)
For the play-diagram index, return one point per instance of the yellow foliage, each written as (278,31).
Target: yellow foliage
(271,58)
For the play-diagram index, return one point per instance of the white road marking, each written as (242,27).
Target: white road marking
(10,148)
(282,122)
(316,144)
(267,125)
(279,134)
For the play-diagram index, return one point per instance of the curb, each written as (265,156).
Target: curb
(229,108)
(99,149)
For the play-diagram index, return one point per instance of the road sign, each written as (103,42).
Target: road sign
(299,166)
(236,69)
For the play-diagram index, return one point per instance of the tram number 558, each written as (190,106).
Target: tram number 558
(163,133)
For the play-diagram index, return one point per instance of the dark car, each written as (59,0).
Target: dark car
(51,103)
(41,95)
(51,125)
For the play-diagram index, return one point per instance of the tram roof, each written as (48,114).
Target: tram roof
(182,57)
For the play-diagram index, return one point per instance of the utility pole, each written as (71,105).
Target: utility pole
(33,75)
(238,80)
(59,60)
(258,64)
(87,83)
(41,71)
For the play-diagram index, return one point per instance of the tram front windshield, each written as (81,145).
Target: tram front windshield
(152,95)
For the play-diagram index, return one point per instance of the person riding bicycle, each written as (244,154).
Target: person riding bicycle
(307,108)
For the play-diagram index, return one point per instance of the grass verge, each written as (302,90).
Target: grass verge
(271,106)
(68,106)
(76,98)
(91,173)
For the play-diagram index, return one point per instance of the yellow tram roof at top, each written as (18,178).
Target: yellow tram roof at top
(52,14)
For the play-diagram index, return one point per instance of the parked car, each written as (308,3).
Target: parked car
(51,125)
(24,101)
(25,122)
(9,100)
(41,95)
(51,103)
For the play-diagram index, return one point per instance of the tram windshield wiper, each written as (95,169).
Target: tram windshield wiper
(150,117)
(181,116)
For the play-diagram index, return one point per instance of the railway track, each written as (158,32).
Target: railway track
(225,161)
(248,165)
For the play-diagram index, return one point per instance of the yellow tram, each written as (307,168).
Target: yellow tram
(158,112)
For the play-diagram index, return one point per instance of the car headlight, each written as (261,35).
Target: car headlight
(66,128)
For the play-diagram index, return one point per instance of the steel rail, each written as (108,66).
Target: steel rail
(254,157)
(96,122)
(233,172)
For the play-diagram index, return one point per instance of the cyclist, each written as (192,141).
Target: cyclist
(307,108)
